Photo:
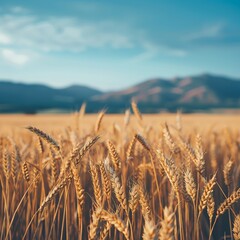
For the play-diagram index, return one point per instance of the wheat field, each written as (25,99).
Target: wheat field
(132,176)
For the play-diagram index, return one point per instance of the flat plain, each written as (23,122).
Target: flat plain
(8,122)
(132,176)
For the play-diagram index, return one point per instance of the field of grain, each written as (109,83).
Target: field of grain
(132,176)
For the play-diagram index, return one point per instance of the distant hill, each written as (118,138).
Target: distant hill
(31,98)
(196,93)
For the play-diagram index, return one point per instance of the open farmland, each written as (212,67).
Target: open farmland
(78,176)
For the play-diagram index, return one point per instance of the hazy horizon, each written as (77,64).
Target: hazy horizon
(112,89)
(113,45)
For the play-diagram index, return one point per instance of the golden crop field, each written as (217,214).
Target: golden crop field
(132,176)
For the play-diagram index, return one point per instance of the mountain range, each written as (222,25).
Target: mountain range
(190,94)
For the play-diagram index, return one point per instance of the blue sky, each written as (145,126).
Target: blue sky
(115,44)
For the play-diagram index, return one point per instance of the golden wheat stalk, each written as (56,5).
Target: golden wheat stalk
(127,117)
(114,156)
(105,181)
(200,161)
(40,145)
(82,109)
(78,186)
(130,150)
(36,177)
(6,164)
(14,166)
(149,231)
(17,154)
(76,155)
(99,121)
(116,222)
(53,192)
(47,138)
(227,173)
(188,151)
(25,171)
(171,171)
(79,153)
(141,171)
(105,231)
(134,198)
(206,194)
(167,225)
(234,197)
(96,183)
(136,111)
(182,186)
(236,227)
(169,140)
(54,166)
(144,202)
(94,223)
(190,185)
(117,187)
(143,142)
(210,207)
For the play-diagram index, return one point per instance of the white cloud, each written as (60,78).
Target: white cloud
(4,39)
(18,9)
(68,34)
(176,52)
(13,57)
(151,50)
(63,34)
(210,31)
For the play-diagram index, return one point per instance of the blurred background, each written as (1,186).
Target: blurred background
(166,55)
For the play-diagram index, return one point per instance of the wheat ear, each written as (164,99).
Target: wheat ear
(206,193)
(96,183)
(210,207)
(82,109)
(114,156)
(127,117)
(234,197)
(200,161)
(55,191)
(136,110)
(143,200)
(25,171)
(117,187)
(227,173)
(105,231)
(169,140)
(134,198)
(94,223)
(14,165)
(78,154)
(236,227)
(167,225)
(143,142)
(78,186)
(171,171)
(48,139)
(105,181)
(99,121)
(130,150)
(190,185)
(54,167)
(116,222)
(149,231)
(6,164)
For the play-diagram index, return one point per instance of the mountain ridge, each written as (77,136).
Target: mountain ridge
(191,93)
